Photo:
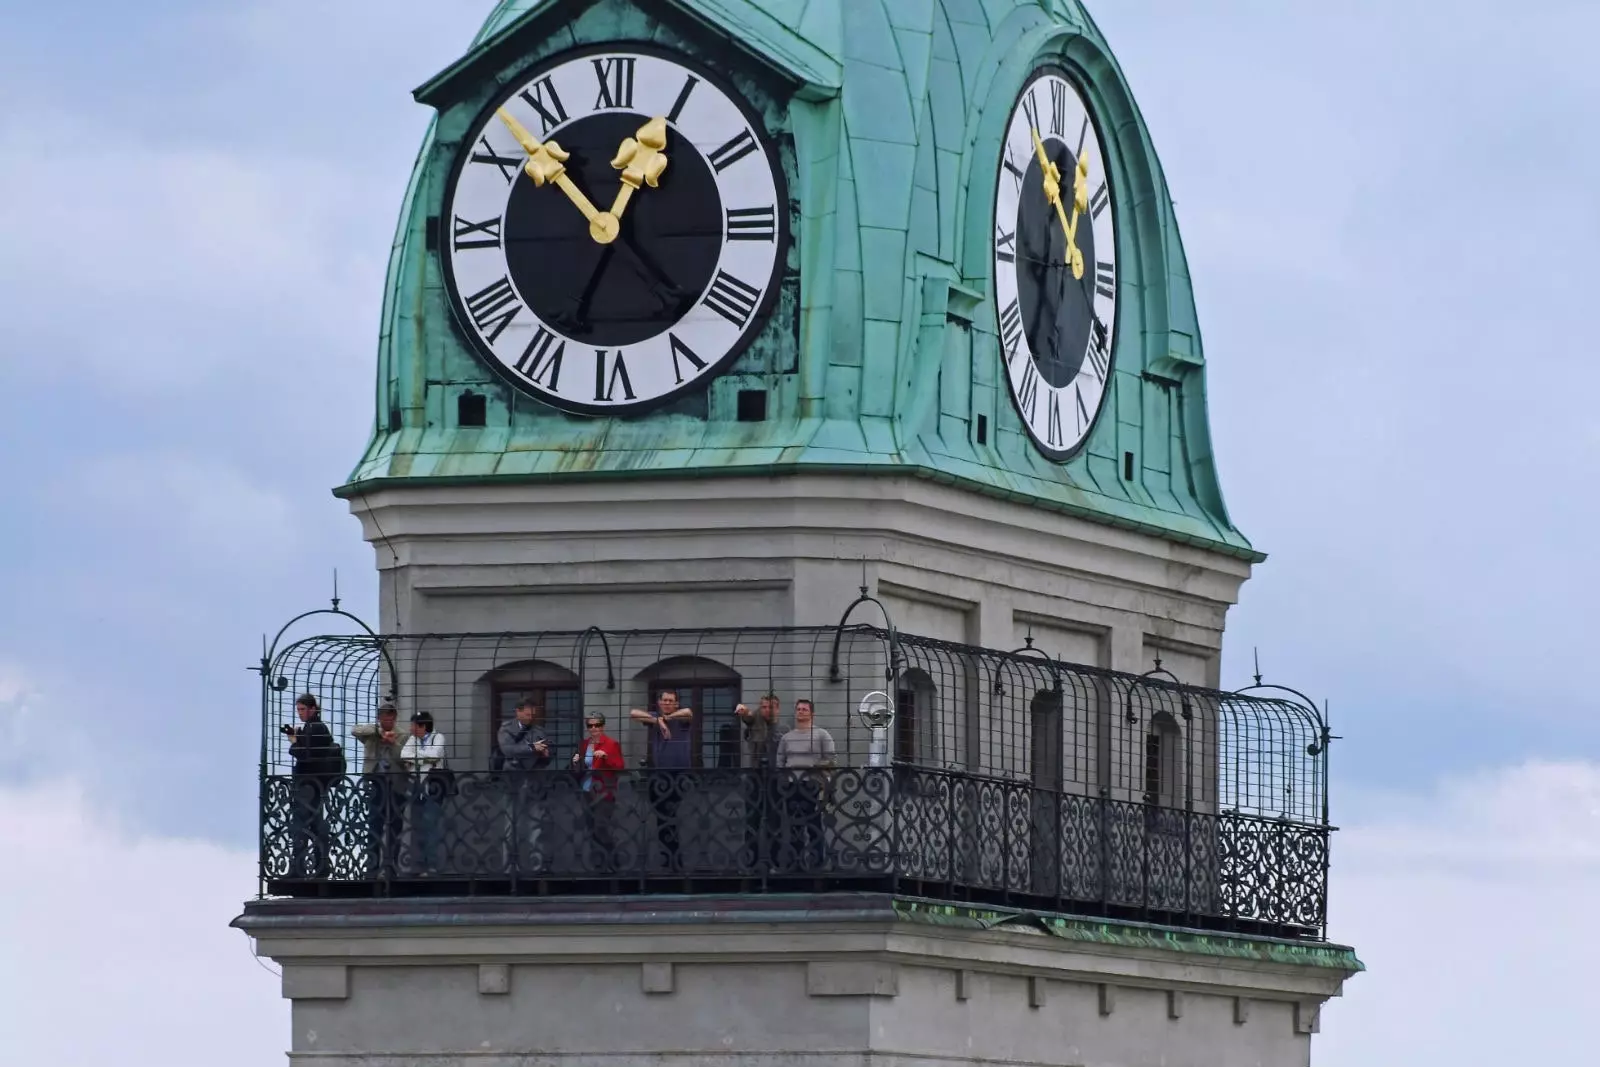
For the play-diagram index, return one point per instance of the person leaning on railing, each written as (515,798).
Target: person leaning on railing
(671,751)
(431,781)
(807,753)
(383,779)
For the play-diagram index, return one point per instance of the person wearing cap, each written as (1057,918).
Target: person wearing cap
(384,783)
(422,756)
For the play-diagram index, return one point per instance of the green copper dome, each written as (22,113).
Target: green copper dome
(881,355)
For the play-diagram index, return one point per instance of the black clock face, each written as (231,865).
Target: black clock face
(1055,264)
(615,231)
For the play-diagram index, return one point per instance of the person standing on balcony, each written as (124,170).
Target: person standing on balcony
(761,732)
(597,762)
(384,778)
(312,749)
(424,762)
(670,752)
(807,753)
(524,748)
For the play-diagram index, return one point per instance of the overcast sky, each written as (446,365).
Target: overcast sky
(1390,217)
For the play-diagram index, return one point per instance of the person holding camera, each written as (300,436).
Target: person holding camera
(524,748)
(311,747)
(384,782)
(431,781)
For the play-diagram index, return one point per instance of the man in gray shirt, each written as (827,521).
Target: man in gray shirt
(806,752)
(524,750)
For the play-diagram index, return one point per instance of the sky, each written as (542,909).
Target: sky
(1389,217)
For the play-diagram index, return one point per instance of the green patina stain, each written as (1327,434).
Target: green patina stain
(1133,935)
(881,354)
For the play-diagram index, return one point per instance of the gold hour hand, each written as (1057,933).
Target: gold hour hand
(641,160)
(545,166)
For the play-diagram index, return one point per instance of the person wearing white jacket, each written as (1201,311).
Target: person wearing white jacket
(423,758)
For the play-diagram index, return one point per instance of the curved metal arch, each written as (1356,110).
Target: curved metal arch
(269,650)
(999,688)
(838,635)
(582,656)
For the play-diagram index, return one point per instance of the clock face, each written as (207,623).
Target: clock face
(613,230)
(1055,263)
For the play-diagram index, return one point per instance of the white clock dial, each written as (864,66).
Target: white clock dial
(1055,263)
(613,230)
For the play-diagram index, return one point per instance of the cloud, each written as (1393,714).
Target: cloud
(117,947)
(149,266)
(206,510)
(1472,907)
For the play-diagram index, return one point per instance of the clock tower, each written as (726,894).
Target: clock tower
(705,321)
(761,297)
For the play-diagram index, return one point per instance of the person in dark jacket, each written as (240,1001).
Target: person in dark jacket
(524,749)
(310,748)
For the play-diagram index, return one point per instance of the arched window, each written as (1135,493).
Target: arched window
(916,719)
(1046,755)
(713,691)
(1162,742)
(553,688)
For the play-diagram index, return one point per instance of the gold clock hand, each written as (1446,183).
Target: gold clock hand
(1052,193)
(641,160)
(1080,204)
(545,166)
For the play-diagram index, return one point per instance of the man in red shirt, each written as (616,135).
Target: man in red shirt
(597,761)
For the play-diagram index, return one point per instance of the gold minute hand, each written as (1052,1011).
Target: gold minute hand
(641,160)
(545,166)
(1052,193)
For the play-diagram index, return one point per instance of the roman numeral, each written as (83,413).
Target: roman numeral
(683,98)
(489,228)
(539,359)
(732,152)
(1058,108)
(1028,392)
(1011,329)
(616,82)
(1105,279)
(752,224)
(1030,108)
(493,307)
(1016,174)
(1098,202)
(1053,433)
(1083,137)
(1099,349)
(681,349)
(509,165)
(551,113)
(605,384)
(1005,246)
(732,299)
(1083,411)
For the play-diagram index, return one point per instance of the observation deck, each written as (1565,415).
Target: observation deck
(1003,779)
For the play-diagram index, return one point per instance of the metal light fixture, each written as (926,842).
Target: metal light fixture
(876,712)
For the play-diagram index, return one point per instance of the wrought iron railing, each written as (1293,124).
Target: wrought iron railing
(901,829)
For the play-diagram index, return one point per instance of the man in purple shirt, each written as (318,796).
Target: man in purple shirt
(671,751)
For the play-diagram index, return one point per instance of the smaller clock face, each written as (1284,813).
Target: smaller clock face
(1055,263)
(613,230)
